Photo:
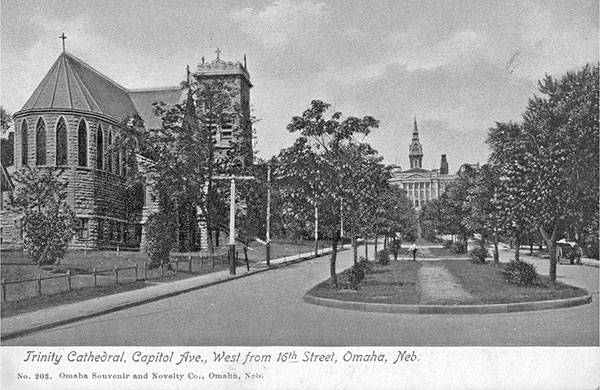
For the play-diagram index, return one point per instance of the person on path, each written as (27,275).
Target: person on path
(413,249)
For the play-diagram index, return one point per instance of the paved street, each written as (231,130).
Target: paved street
(267,309)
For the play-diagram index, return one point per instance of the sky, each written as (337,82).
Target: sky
(457,66)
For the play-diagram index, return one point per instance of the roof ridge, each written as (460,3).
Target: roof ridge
(89,67)
(85,92)
(154,89)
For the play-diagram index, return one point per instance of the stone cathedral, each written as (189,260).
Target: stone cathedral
(71,121)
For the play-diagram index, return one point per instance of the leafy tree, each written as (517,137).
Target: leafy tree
(315,168)
(394,215)
(48,220)
(7,139)
(160,237)
(552,160)
(367,180)
(182,160)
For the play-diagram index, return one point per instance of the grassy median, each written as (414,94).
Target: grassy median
(398,283)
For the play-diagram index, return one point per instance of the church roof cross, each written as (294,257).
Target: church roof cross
(63,37)
(218,53)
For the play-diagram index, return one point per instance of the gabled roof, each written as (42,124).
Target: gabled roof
(72,84)
(144,99)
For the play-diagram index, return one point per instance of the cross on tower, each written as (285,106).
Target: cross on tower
(63,37)
(218,52)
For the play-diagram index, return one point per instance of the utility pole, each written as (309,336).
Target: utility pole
(316,230)
(341,226)
(232,217)
(268,233)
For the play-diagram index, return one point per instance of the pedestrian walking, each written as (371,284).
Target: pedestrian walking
(413,248)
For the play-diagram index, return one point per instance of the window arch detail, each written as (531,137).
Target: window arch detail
(100,148)
(24,142)
(40,142)
(109,153)
(61,142)
(82,144)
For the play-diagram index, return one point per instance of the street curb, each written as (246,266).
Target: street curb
(50,325)
(447,309)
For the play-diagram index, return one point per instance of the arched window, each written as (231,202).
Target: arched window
(24,143)
(100,148)
(40,143)
(61,142)
(117,156)
(110,151)
(82,144)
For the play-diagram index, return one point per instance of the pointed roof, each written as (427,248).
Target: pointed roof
(143,100)
(71,84)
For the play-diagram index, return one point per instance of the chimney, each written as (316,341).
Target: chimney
(444,165)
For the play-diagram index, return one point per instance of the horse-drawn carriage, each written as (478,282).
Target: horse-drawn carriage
(568,251)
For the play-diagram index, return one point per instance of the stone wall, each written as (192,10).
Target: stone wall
(96,194)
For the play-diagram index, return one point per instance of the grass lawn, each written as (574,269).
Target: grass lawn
(398,283)
(23,297)
(442,252)
(393,283)
(486,283)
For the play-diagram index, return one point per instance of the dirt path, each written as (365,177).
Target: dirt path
(437,285)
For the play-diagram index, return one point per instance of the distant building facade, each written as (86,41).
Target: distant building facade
(73,119)
(421,185)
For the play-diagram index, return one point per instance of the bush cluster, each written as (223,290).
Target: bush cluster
(520,273)
(479,254)
(358,272)
(383,257)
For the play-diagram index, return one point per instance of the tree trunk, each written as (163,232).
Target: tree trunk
(496,254)
(355,248)
(395,245)
(551,244)
(366,248)
(375,253)
(517,248)
(530,243)
(333,274)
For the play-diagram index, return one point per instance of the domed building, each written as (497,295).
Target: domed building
(73,121)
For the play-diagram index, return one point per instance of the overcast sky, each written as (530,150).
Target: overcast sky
(458,66)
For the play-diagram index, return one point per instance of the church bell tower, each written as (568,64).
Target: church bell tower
(415,153)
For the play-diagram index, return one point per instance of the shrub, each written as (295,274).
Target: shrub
(48,220)
(383,257)
(358,272)
(448,244)
(520,273)
(48,233)
(479,254)
(458,247)
(160,230)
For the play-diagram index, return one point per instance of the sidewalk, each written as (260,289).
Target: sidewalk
(525,252)
(35,321)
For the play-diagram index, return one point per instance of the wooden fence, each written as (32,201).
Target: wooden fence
(178,263)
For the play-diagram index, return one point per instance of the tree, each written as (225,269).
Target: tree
(160,230)
(551,161)
(394,214)
(48,220)
(7,137)
(182,159)
(315,168)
